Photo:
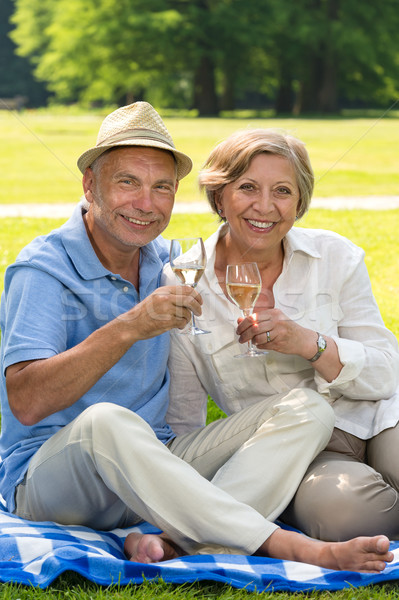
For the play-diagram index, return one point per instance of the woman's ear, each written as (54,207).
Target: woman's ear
(219,205)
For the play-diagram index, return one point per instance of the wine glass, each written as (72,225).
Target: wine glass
(244,283)
(188,262)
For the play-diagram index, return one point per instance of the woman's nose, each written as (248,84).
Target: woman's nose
(265,200)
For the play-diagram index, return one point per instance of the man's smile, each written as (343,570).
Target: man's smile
(137,221)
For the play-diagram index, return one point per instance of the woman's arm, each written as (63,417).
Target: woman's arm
(361,360)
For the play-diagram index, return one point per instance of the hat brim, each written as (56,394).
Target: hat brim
(184,162)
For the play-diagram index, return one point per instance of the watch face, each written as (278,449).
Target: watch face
(321,342)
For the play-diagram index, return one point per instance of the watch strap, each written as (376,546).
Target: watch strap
(321,346)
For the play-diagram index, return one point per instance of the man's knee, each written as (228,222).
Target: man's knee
(105,418)
(308,407)
(318,409)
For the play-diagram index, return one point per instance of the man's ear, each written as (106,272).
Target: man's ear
(88,182)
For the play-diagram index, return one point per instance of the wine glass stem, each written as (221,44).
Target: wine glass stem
(193,325)
(246,313)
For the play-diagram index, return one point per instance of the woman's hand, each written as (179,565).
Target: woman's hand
(273,330)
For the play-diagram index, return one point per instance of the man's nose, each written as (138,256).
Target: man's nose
(143,200)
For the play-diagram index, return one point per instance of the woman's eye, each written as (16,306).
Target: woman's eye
(246,186)
(283,190)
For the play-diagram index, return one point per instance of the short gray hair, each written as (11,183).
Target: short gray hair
(231,158)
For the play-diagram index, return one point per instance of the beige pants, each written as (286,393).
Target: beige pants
(350,489)
(107,469)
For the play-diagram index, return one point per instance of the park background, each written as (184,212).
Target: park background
(326,71)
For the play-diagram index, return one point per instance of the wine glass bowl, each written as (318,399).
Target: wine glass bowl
(188,261)
(243,285)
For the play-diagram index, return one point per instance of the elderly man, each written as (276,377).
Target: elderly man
(84,387)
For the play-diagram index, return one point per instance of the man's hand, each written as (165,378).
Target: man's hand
(166,308)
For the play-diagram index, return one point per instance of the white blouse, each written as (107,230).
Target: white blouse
(324,286)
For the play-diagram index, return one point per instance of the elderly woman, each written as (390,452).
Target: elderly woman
(316,317)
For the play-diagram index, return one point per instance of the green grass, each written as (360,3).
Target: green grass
(71,587)
(38,152)
(376,232)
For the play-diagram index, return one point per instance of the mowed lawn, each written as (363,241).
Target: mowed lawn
(39,149)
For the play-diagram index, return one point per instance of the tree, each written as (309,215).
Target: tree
(16,77)
(335,49)
(130,47)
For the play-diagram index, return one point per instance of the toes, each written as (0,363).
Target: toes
(382,544)
(155,551)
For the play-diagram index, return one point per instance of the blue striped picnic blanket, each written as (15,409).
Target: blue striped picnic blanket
(33,553)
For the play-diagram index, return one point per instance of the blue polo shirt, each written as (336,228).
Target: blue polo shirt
(55,295)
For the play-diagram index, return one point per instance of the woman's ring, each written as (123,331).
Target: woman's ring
(268,336)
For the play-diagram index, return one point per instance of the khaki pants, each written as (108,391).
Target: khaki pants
(350,489)
(107,469)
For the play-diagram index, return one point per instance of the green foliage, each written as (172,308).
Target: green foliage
(15,72)
(211,54)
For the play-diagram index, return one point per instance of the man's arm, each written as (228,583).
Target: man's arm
(39,388)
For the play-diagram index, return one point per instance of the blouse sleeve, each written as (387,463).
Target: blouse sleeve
(367,349)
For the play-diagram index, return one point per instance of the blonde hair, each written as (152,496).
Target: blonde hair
(231,158)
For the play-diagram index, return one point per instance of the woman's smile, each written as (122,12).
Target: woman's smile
(261,226)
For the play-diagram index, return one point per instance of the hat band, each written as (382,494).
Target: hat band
(146,134)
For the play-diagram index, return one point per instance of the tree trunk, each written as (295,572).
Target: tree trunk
(328,94)
(205,99)
(307,99)
(318,89)
(285,96)
(227,101)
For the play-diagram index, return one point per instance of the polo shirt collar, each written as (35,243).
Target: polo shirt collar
(79,249)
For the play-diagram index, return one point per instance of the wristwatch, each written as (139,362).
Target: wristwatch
(321,346)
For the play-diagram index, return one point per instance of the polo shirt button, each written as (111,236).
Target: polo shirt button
(113,278)
(125,289)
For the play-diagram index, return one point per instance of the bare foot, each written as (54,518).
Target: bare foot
(362,554)
(150,548)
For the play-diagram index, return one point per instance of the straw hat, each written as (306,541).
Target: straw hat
(138,124)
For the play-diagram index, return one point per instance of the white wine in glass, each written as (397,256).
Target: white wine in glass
(244,284)
(188,262)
